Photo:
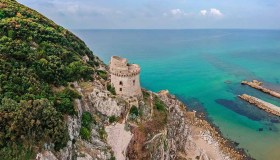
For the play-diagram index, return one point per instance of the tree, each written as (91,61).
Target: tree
(30,123)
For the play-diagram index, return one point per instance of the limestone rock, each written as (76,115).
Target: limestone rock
(85,150)
(84,156)
(102,102)
(74,125)
(46,155)
(66,152)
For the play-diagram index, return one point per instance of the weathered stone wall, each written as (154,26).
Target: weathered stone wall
(126,86)
(118,64)
(125,77)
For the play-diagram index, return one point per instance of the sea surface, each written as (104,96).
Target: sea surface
(204,68)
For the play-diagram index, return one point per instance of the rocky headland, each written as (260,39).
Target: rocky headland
(57,102)
(163,128)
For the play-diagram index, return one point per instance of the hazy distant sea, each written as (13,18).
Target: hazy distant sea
(204,69)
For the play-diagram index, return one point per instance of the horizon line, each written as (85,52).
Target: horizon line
(174,28)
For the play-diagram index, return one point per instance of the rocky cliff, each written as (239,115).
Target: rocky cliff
(170,132)
(184,135)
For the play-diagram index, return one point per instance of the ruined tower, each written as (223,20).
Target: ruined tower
(125,77)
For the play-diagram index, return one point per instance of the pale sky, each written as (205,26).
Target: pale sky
(160,14)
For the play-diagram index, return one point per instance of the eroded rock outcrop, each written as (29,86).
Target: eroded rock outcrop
(183,135)
(191,137)
(96,147)
(173,133)
(105,104)
(46,155)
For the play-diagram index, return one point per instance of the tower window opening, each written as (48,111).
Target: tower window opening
(134,82)
(120,89)
(121,83)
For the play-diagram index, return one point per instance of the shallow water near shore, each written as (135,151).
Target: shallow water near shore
(204,68)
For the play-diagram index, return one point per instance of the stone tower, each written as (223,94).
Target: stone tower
(125,77)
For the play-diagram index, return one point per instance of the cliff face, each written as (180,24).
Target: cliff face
(182,136)
(170,132)
(95,147)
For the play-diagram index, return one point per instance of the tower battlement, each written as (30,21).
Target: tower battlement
(125,77)
(120,67)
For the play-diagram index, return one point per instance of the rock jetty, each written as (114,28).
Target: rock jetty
(268,107)
(258,85)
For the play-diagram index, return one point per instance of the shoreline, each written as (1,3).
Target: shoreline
(202,115)
(225,142)
(200,120)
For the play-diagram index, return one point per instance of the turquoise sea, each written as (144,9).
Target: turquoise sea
(204,69)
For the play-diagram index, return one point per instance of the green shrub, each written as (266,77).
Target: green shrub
(77,70)
(16,152)
(72,93)
(134,111)
(93,63)
(160,106)
(31,122)
(112,119)
(102,74)
(64,101)
(11,33)
(87,120)
(111,89)
(96,63)
(113,157)
(102,133)
(2,15)
(146,94)
(85,133)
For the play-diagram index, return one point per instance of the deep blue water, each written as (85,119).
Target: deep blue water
(204,69)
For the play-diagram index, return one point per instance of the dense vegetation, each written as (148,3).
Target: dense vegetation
(112,119)
(111,89)
(87,120)
(37,57)
(159,105)
(134,111)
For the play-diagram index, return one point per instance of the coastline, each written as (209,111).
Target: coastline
(186,82)
(226,142)
(74,111)
(225,145)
